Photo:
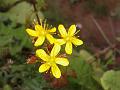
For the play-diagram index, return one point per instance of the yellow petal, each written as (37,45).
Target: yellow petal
(44,67)
(72,30)
(55,50)
(59,41)
(76,41)
(62,61)
(56,71)
(42,54)
(52,30)
(62,30)
(68,48)
(39,41)
(38,28)
(50,38)
(31,32)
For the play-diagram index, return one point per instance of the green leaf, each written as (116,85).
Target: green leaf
(7,2)
(7,87)
(20,40)
(84,73)
(5,40)
(111,80)
(21,13)
(14,39)
(86,55)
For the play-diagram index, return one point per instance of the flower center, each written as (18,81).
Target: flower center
(52,60)
(67,38)
(42,32)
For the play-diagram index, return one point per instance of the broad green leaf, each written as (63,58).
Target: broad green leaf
(84,73)
(111,80)
(21,13)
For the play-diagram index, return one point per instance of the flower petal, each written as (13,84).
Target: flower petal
(52,30)
(62,61)
(31,32)
(56,71)
(62,30)
(38,28)
(59,41)
(50,38)
(72,30)
(39,41)
(42,54)
(44,67)
(68,48)
(55,50)
(76,41)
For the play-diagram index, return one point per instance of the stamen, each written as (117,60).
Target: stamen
(50,26)
(44,26)
(41,22)
(47,26)
(35,22)
(55,33)
(58,34)
(77,32)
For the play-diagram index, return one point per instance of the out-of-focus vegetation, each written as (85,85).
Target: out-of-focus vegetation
(95,66)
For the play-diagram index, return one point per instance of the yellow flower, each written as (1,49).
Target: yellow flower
(57,42)
(51,61)
(69,37)
(41,32)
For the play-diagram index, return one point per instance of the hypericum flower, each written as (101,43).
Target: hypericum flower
(57,42)
(40,32)
(51,61)
(69,37)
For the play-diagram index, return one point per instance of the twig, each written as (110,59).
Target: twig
(101,52)
(103,34)
(112,27)
(90,59)
(100,30)
(35,9)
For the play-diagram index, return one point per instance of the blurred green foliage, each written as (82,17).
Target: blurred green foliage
(14,49)
(21,77)
(14,39)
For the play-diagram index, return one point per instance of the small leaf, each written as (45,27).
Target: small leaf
(21,13)
(86,55)
(111,80)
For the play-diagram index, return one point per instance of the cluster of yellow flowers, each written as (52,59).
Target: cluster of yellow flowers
(50,61)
